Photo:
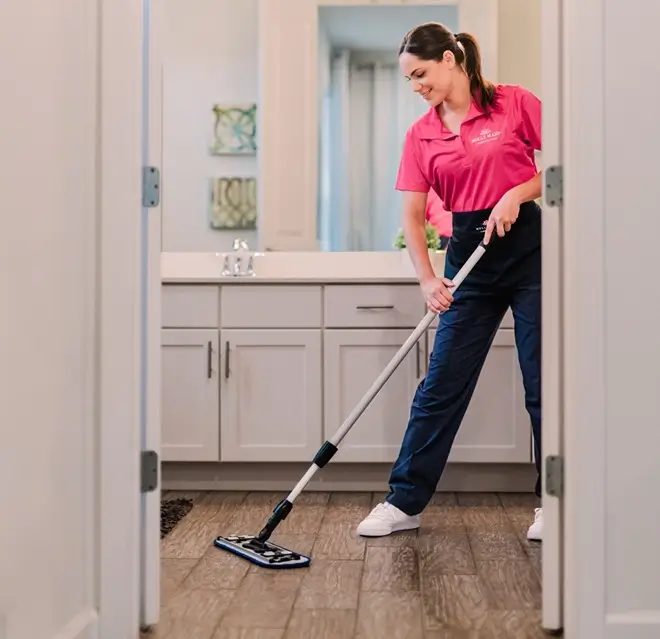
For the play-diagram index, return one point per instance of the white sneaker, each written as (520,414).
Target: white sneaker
(535,532)
(385,519)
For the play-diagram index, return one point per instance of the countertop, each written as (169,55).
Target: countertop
(297,267)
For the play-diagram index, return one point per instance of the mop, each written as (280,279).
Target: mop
(257,548)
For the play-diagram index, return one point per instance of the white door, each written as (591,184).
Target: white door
(552,374)
(190,395)
(271,395)
(150,230)
(70,319)
(611,321)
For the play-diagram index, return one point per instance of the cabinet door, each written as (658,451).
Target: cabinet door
(353,361)
(271,395)
(190,395)
(496,427)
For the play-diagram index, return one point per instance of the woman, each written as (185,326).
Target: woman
(474,147)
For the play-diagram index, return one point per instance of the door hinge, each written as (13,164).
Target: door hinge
(554,186)
(150,186)
(148,471)
(554,476)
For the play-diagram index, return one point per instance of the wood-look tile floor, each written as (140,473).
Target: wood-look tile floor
(467,573)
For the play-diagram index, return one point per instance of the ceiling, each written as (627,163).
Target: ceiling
(380,28)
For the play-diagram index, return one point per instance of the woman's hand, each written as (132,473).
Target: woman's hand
(503,216)
(436,293)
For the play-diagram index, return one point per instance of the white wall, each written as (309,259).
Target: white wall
(211,49)
(520,43)
(210,55)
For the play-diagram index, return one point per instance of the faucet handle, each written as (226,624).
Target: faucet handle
(225,266)
(250,267)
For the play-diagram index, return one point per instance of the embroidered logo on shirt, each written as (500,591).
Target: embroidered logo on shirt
(486,135)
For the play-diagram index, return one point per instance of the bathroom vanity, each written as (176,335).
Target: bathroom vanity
(261,369)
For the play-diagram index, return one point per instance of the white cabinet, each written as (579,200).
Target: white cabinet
(190,395)
(271,409)
(353,359)
(266,373)
(496,427)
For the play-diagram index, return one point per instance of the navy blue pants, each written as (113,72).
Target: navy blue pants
(507,276)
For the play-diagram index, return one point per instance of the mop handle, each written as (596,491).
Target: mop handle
(282,509)
(403,351)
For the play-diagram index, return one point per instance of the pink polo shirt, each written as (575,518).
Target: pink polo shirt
(473,170)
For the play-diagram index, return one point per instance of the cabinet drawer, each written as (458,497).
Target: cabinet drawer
(271,306)
(190,306)
(373,306)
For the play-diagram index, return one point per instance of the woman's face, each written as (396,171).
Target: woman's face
(429,78)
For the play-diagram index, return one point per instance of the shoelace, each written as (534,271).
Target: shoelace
(383,511)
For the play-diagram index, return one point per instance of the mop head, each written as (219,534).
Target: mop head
(262,553)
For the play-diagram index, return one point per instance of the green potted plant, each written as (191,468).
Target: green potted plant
(432,239)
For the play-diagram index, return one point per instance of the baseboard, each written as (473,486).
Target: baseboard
(339,477)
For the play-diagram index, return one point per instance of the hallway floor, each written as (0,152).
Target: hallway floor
(468,573)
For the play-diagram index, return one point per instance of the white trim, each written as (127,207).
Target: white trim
(552,444)
(119,315)
(151,433)
(288,111)
(584,319)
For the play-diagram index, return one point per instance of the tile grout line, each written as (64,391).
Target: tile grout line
(422,599)
(522,541)
(300,585)
(240,582)
(363,561)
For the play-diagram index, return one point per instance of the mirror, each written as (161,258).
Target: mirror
(286,57)
(366,106)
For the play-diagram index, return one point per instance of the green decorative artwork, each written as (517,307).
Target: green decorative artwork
(234,203)
(235,129)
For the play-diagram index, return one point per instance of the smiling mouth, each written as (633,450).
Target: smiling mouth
(426,94)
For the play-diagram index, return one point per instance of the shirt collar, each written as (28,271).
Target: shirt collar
(432,128)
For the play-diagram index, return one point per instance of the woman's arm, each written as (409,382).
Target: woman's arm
(435,290)
(527,191)
(505,212)
(414,230)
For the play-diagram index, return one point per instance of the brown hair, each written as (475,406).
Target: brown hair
(429,41)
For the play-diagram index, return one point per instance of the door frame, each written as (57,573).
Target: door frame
(119,316)
(152,143)
(552,90)
(584,263)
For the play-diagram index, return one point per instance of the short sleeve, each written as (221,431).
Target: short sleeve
(410,176)
(529,109)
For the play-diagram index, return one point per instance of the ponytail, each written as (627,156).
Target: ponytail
(468,54)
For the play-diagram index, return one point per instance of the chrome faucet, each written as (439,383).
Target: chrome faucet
(232,265)
(240,245)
